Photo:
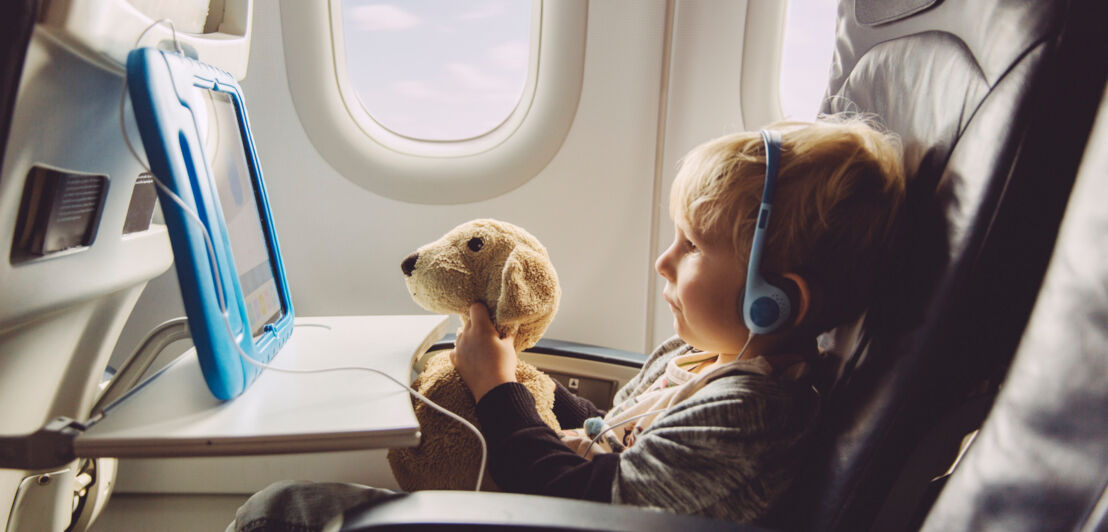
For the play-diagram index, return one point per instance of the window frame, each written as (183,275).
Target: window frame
(428,171)
(760,86)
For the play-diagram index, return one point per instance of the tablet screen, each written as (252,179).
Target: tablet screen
(241,212)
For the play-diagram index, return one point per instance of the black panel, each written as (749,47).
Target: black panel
(141,209)
(60,210)
(467,510)
(598,391)
(17,18)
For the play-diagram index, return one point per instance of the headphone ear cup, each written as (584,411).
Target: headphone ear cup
(790,292)
(767,308)
(792,295)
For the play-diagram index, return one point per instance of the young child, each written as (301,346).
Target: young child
(715,421)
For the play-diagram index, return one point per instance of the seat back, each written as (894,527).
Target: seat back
(62,306)
(972,88)
(1039,461)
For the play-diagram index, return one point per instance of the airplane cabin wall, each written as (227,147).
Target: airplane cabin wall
(589,206)
(716,65)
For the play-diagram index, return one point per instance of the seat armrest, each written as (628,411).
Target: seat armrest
(596,353)
(606,355)
(447,510)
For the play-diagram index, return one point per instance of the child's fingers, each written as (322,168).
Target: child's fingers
(479,318)
(482,324)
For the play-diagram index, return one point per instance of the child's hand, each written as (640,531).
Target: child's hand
(481,356)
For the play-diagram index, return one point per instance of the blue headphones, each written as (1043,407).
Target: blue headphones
(765,307)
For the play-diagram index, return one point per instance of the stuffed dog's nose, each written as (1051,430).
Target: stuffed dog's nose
(408,266)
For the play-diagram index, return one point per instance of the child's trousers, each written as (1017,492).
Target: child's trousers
(295,506)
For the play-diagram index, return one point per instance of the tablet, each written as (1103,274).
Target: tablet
(193,124)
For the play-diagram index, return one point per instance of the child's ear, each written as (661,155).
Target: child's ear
(801,298)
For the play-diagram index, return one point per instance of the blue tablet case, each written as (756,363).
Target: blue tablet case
(193,124)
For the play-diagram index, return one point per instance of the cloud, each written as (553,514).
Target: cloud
(383,17)
(472,78)
(419,90)
(511,55)
(465,85)
(486,10)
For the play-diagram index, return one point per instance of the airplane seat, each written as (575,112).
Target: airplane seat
(1038,463)
(78,250)
(993,113)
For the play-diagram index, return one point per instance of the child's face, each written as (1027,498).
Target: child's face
(704,281)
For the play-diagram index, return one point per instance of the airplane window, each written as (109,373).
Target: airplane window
(806,54)
(452,154)
(438,70)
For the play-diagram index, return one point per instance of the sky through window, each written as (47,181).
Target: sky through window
(438,69)
(809,43)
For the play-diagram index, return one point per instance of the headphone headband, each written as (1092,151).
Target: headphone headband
(765,307)
(772,142)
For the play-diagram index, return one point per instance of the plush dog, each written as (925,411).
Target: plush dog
(507,269)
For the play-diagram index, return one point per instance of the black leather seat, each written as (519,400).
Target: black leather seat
(1040,461)
(993,102)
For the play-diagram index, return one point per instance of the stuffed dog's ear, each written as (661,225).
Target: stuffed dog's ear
(528,289)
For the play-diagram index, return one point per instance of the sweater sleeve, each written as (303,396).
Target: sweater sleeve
(527,456)
(571,409)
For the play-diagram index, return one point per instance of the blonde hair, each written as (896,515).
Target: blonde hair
(839,188)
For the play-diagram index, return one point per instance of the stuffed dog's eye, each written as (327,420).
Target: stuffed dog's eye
(475,244)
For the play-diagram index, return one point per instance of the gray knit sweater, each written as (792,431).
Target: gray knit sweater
(728,451)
